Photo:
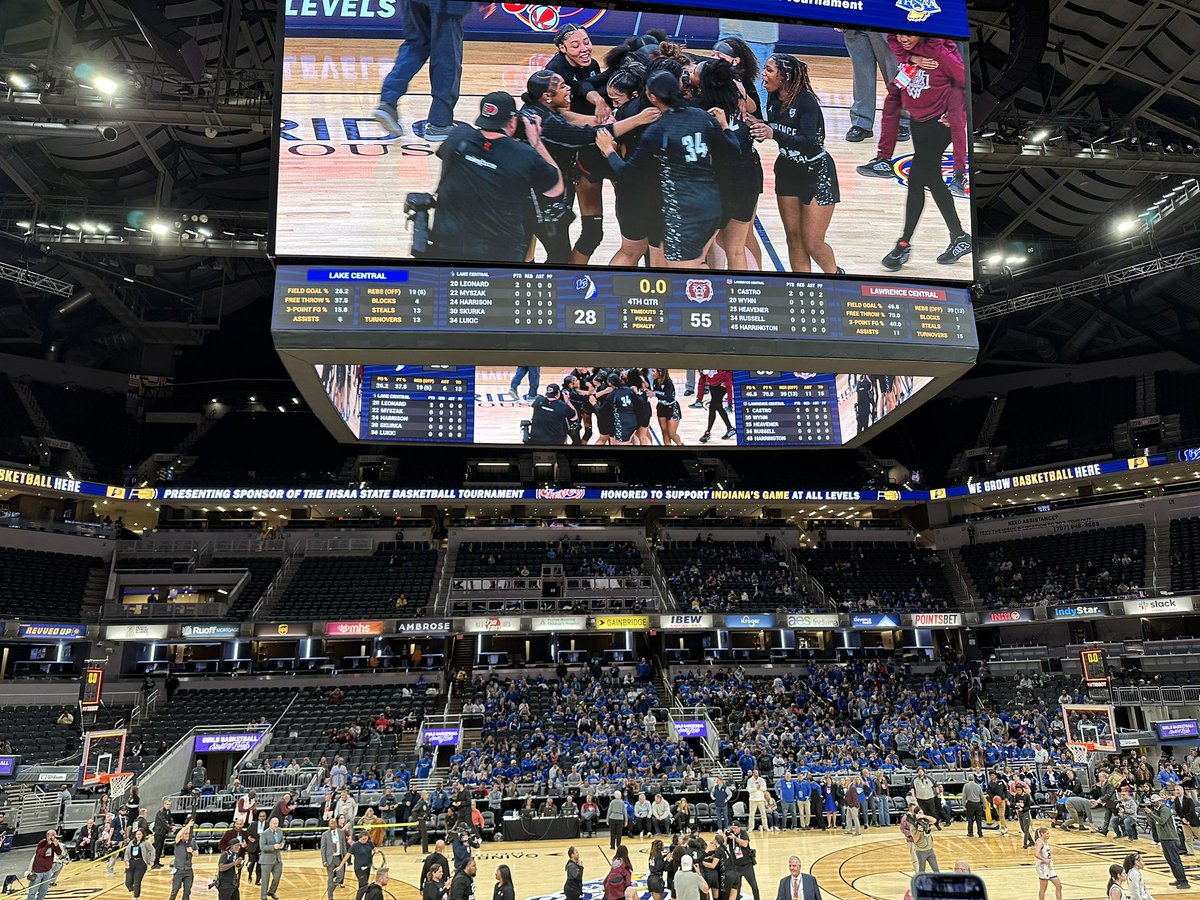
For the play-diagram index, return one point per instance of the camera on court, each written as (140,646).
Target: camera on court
(417,205)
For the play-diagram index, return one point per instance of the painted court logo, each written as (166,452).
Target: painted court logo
(547,19)
(901,165)
(919,10)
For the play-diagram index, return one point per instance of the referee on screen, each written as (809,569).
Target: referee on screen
(489,179)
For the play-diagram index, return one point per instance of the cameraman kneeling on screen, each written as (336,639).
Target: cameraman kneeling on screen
(489,179)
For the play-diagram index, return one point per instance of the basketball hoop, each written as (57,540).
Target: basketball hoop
(118,783)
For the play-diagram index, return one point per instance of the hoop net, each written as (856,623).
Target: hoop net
(1081,753)
(118,783)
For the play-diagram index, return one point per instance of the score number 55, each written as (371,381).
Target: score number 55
(700,321)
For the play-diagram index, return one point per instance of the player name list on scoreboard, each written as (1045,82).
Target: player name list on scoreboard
(403,407)
(615,303)
(787,413)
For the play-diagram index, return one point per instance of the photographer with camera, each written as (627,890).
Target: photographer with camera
(917,828)
(1162,817)
(488,177)
(229,873)
(550,423)
(49,851)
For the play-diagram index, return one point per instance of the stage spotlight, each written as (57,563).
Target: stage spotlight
(105,85)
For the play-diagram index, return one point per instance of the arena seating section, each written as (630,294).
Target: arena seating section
(243,448)
(36,736)
(879,576)
(81,416)
(494,559)
(1034,418)
(219,706)
(1054,568)
(50,584)
(1179,394)
(16,424)
(262,568)
(703,575)
(315,719)
(360,585)
(1185,554)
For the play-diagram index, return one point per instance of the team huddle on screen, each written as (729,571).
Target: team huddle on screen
(676,131)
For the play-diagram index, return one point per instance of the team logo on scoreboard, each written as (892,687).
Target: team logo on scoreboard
(543,19)
(804,376)
(901,165)
(585,286)
(918,10)
(699,290)
(560,493)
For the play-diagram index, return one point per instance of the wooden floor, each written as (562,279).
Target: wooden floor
(342,190)
(873,867)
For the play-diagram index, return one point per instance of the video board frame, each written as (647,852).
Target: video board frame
(926,17)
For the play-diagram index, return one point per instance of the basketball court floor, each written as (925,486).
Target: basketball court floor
(872,867)
(342,189)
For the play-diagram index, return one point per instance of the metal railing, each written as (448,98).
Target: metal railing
(356,545)
(205,610)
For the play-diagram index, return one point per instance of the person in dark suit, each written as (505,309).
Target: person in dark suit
(797,885)
(421,812)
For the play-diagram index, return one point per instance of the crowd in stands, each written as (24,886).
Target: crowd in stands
(884,577)
(728,576)
(1105,562)
(866,715)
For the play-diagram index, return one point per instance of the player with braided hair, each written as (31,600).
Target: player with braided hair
(806,182)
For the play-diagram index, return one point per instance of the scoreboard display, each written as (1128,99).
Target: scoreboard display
(1095,667)
(467,308)
(467,404)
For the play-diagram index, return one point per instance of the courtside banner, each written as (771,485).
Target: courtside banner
(937,17)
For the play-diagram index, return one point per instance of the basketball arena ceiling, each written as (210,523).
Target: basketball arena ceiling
(1102,125)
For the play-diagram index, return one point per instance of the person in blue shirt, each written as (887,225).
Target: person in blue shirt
(804,790)
(720,796)
(424,766)
(786,789)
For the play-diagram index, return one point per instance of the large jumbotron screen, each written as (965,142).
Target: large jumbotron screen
(483,405)
(784,189)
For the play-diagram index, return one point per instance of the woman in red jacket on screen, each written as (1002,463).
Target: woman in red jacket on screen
(929,86)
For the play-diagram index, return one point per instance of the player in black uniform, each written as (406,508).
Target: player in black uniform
(738,54)
(579,390)
(740,183)
(485,186)
(575,64)
(640,385)
(602,403)
(669,413)
(685,146)
(639,213)
(864,402)
(552,418)
(624,414)
(806,182)
(547,97)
